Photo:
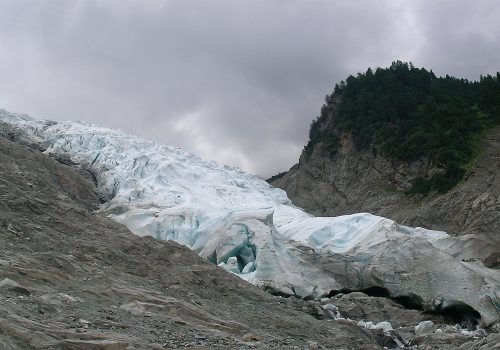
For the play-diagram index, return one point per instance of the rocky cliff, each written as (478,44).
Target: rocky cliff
(353,180)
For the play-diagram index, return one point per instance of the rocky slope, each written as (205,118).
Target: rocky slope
(353,181)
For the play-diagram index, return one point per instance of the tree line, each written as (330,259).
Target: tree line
(408,113)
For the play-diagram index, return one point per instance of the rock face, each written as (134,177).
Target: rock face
(238,221)
(354,181)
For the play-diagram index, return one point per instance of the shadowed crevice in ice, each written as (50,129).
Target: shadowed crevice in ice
(411,301)
(455,312)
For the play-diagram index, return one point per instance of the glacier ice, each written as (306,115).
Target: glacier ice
(241,223)
(384,325)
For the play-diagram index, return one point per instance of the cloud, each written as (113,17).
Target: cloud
(462,38)
(234,81)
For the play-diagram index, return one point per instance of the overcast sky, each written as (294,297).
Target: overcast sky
(237,81)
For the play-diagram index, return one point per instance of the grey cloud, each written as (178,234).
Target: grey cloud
(234,81)
(462,37)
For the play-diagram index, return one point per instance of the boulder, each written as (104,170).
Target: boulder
(425,327)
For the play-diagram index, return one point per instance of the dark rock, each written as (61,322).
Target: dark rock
(21,291)
(493,261)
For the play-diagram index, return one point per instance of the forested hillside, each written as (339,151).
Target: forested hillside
(407,113)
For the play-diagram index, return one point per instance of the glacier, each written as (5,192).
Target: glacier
(241,223)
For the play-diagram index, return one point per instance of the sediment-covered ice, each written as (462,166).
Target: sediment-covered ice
(244,225)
